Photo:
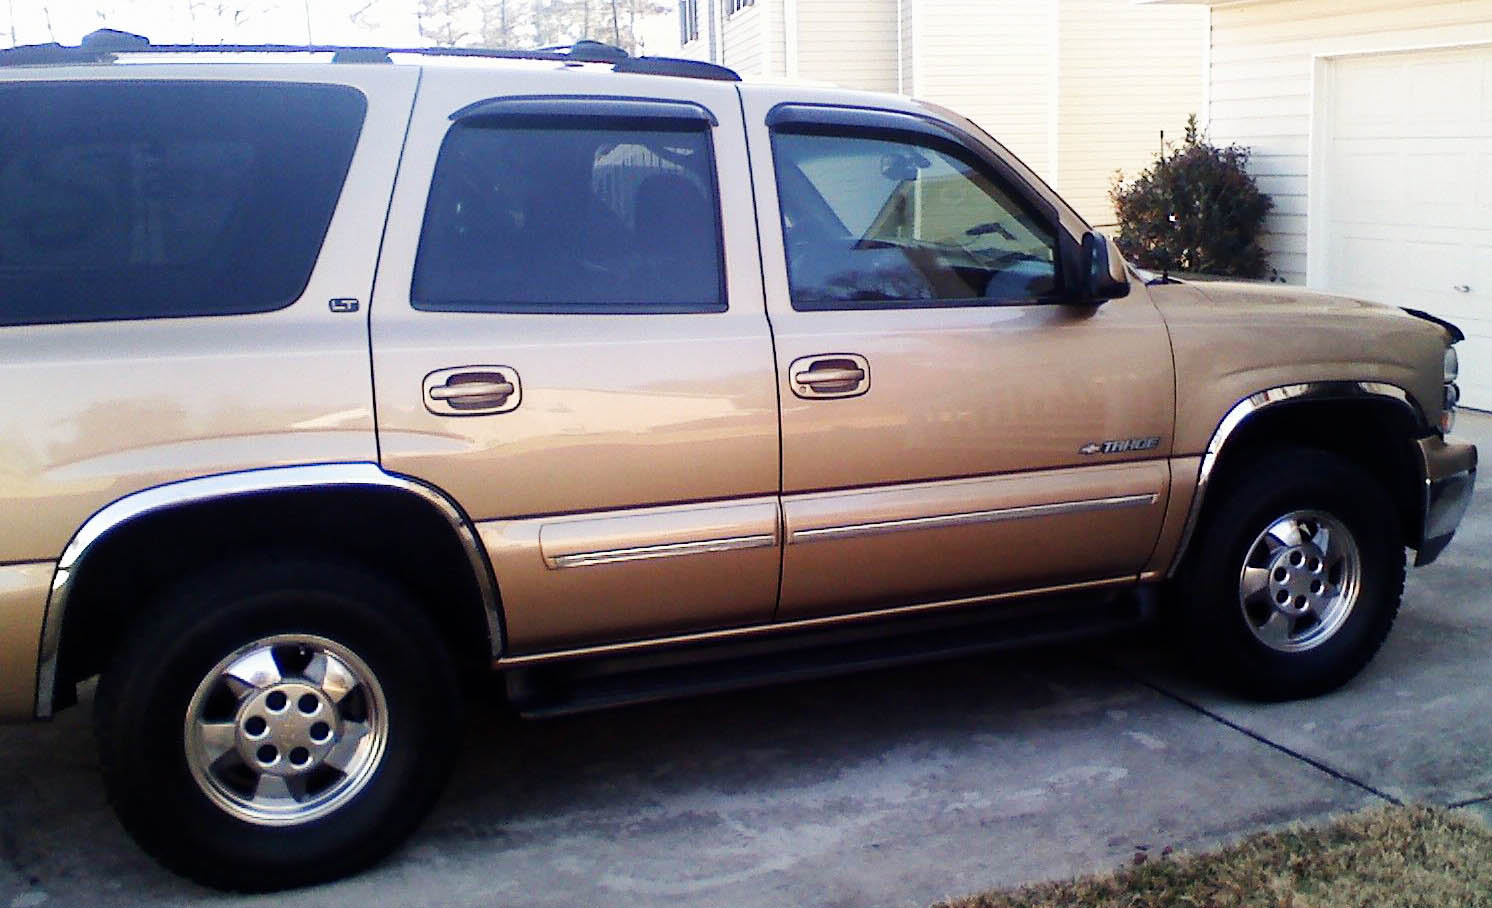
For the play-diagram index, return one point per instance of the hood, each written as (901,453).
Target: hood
(1249,293)
(1300,300)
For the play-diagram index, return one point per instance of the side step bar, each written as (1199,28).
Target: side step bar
(543,691)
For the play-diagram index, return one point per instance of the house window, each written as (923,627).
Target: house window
(688,21)
(735,6)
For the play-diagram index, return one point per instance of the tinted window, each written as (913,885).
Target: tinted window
(157,199)
(877,222)
(571,215)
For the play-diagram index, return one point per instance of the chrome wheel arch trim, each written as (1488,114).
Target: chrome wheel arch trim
(1263,400)
(231,485)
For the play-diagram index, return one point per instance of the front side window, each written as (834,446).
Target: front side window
(871,221)
(559,214)
(154,199)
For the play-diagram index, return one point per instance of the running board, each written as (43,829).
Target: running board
(548,690)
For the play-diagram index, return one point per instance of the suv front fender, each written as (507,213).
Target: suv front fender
(1245,411)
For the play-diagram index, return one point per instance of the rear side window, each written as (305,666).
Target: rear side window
(133,200)
(556,214)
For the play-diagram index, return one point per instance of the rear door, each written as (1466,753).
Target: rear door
(948,430)
(569,338)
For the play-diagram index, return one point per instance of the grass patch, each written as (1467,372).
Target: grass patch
(1395,856)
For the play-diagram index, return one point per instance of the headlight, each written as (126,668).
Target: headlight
(1452,397)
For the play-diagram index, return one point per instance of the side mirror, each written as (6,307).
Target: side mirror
(1104,275)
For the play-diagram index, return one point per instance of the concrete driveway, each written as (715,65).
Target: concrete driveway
(895,788)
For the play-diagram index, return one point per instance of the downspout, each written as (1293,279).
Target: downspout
(901,25)
(1054,99)
(917,83)
(716,42)
(764,23)
(790,36)
(1207,73)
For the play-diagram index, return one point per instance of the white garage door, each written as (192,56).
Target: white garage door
(1408,182)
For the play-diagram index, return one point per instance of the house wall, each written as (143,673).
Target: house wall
(851,43)
(1126,71)
(993,62)
(744,40)
(1076,88)
(702,47)
(1265,57)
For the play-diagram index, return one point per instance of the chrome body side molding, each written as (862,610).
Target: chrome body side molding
(664,550)
(992,515)
(232,485)
(1270,397)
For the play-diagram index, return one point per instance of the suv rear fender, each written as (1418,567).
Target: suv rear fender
(1374,424)
(341,510)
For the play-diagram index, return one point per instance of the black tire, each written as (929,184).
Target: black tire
(154,678)
(1219,626)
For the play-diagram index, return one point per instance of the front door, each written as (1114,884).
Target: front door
(569,338)
(949,430)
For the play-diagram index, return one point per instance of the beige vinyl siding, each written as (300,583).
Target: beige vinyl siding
(696,50)
(742,37)
(1262,85)
(992,61)
(1128,71)
(851,43)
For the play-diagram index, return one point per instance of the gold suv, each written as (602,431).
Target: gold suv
(334,380)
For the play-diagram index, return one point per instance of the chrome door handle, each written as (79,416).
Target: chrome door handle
(1462,288)
(472,390)
(467,390)
(829,375)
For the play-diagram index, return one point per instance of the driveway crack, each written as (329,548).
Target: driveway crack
(1290,752)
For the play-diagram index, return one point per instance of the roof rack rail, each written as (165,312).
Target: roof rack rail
(105,44)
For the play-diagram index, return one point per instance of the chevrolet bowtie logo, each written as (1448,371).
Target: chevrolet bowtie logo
(1120,445)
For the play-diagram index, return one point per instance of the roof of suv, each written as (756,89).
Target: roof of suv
(108,45)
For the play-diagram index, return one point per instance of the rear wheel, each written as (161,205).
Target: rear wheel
(277,723)
(1296,576)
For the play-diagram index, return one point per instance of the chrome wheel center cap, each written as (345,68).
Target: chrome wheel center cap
(1298,581)
(286,729)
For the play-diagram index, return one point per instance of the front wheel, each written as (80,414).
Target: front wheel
(277,723)
(1297,575)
